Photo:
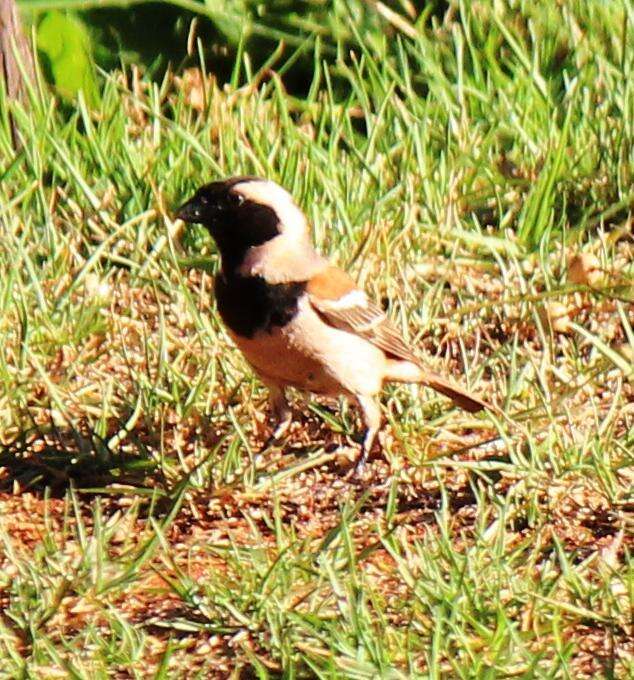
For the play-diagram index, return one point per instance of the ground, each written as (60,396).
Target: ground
(221,559)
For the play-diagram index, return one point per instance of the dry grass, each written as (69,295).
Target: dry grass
(548,504)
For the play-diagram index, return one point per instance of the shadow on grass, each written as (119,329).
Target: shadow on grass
(52,457)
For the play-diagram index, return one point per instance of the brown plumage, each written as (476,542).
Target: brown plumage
(299,321)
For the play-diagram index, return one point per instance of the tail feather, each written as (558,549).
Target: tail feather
(466,400)
(408,371)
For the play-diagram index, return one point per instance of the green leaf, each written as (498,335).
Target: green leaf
(230,18)
(65,49)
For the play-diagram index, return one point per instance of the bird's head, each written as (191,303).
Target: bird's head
(243,212)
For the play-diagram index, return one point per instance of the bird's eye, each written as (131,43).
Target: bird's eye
(235,200)
(203,199)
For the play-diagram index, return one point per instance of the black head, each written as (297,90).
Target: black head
(235,221)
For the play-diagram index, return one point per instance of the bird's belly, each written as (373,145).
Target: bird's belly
(308,354)
(274,357)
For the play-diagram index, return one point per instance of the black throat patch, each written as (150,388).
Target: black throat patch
(252,224)
(250,304)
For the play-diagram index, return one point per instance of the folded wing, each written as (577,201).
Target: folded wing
(334,295)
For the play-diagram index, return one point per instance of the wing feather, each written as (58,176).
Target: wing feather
(370,323)
(334,295)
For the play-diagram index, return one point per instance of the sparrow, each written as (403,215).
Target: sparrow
(300,321)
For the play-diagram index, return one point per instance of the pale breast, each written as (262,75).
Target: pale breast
(309,354)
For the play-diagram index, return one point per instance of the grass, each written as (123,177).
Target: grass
(455,174)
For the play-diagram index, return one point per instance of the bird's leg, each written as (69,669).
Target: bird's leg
(282,413)
(372,418)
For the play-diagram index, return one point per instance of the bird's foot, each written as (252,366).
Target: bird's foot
(359,458)
(278,436)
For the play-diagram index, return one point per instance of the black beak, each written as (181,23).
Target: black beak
(190,211)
